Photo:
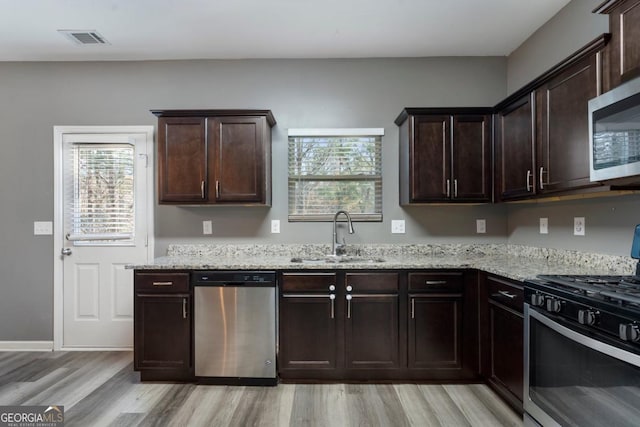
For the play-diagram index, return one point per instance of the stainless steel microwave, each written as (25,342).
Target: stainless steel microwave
(614,134)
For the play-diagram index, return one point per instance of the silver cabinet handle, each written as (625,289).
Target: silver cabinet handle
(349,288)
(332,297)
(448,188)
(66,251)
(202,189)
(529,176)
(435,282)
(540,178)
(184,308)
(505,294)
(455,188)
(217,189)
(162,283)
(349,306)
(413,308)
(332,287)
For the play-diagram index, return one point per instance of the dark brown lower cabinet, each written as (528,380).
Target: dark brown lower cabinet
(371,332)
(162,336)
(378,325)
(506,341)
(339,326)
(308,338)
(503,337)
(435,336)
(162,325)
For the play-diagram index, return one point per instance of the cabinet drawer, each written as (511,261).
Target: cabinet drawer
(372,282)
(161,282)
(506,292)
(436,282)
(319,282)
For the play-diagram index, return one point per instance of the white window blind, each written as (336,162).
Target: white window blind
(100,204)
(334,169)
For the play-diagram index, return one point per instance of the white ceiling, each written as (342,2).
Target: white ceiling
(193,29)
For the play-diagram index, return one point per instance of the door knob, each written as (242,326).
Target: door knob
(66,251)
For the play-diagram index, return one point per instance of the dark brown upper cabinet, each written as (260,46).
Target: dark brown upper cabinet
(214,156)
(563,127)
(514,144)
(445,155)
(623,53)
(542,130)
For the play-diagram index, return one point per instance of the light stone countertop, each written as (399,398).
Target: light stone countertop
(514,262)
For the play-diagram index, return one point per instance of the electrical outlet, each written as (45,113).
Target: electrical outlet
(41,228)
(275,225)
(397,226)
(544,225)
(579,226)
(481,226)
(207,227)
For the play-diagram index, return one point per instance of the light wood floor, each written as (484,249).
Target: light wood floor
(101,389)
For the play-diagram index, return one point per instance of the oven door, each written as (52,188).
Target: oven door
(572,379)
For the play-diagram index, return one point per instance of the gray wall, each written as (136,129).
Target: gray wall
(302,93)
(609,221)
(609,224)
(569,30)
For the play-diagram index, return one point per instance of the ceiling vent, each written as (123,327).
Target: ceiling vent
(86,37)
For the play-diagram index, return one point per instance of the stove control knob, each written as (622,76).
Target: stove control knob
(537,300)
(629,332)
(553,305)
(588,317)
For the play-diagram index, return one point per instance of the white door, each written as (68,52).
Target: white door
(104,225)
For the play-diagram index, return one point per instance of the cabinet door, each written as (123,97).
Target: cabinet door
(238,159)
(371,332)
(162,331)
(624,48)
(471,158)
(563,135)
(430,158)
(506,347)
(435,332)
(308,338)
(182,160)
(515,161)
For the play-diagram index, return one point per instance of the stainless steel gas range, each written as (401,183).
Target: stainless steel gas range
(582,351)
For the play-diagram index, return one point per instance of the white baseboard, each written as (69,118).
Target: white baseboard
(26,345)
(96,349)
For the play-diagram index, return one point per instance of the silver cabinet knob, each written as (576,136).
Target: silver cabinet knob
(332,287)
(349,288)
(66,251)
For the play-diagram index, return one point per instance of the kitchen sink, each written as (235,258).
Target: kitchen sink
(329,259)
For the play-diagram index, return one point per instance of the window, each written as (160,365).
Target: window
(334,169)
(100,202)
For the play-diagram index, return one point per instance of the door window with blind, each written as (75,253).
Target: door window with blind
(335,169)
(100,194)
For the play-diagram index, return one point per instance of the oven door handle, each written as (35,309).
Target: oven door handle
(579,338)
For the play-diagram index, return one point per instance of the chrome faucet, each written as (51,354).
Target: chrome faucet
(338,248)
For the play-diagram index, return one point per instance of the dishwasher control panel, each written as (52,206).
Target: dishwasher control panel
(234,278)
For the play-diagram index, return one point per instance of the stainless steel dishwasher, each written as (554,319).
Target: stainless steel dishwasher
(235,327)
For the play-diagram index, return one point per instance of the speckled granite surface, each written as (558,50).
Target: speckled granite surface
(512,261)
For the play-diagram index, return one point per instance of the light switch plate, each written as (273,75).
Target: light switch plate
(481,226)
(207,227)
(275,225)
(544,225)
(579,226)
(397,226)
(42,228)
